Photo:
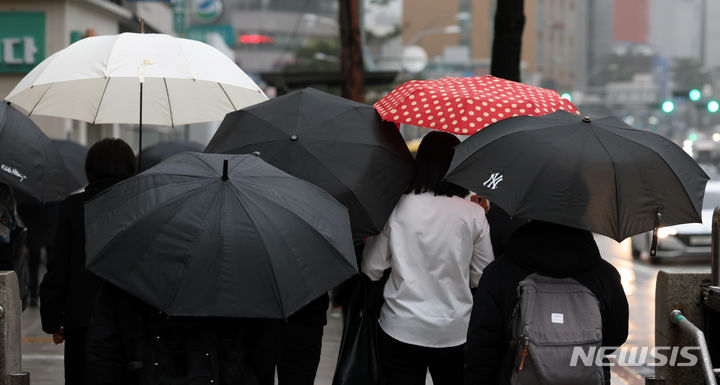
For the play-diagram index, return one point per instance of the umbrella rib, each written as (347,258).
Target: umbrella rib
(235,192)
(668,166)
(102,97)
(617,196)
(40,98)
(167,93)
(227,96)
(313,229)
(194,247)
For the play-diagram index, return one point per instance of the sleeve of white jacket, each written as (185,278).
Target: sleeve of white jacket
(376,256)
(482,248)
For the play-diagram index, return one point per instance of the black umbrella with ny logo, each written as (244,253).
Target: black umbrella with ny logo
(596,174)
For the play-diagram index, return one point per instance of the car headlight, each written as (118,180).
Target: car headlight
(665,232)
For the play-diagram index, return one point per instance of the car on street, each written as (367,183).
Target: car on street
(685,241)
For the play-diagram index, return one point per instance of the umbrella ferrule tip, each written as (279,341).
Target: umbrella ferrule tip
(586,119)
(293,137)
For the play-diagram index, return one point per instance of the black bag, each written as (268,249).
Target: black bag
(359,357)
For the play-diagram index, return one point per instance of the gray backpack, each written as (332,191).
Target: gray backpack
(551,318)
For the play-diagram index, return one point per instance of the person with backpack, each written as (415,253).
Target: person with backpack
(436,244)
(550,292)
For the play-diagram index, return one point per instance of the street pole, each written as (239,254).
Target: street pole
(351,56)
(507,39)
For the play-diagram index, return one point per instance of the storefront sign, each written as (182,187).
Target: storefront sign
(22,41)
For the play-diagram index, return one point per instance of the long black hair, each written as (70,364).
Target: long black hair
(110,158)
(432,162)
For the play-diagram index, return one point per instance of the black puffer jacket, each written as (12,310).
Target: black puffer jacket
(551,250)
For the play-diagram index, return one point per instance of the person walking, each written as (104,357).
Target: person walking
(67,291)
(436,244)
(551,250)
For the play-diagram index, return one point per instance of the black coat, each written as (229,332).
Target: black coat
(131,343)
(552,250)
(67,291)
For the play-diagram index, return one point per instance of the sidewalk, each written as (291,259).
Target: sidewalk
(44,360)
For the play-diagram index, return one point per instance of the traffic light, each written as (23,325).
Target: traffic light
(694,94)
(566,95)
(713,106)
(668,106)
(693,137)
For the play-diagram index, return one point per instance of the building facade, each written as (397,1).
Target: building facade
(32,30)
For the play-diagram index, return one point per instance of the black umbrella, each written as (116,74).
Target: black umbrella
(335,143)
(28,160)
(600,175)
(73,155)
(156,153)
(191,239)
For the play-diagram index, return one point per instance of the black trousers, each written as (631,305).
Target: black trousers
(75,357)
(293,345)
(404,363)
(300,357)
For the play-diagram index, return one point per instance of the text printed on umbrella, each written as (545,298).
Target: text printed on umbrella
(493,181)
(14,172)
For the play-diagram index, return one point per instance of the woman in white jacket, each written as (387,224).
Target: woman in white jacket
(437,243)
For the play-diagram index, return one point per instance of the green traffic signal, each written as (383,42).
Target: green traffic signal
(694,95)
(668,106)
(713,106)
(566,95)
(693,137)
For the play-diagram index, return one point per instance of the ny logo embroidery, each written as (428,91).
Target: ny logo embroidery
(493,181)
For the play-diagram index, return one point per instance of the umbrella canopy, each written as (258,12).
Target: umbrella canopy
(73,155)
(595,174)
(466,105)
(156,153)
(97,80)
(337,144)
(28,160)
(192,239)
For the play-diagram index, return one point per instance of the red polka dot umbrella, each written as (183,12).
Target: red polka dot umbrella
(466,105)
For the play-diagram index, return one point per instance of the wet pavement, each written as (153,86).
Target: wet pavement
(638,280)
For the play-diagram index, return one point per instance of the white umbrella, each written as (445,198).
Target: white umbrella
(134,78)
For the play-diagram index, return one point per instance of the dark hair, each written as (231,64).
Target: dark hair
(110,158)
(432,162)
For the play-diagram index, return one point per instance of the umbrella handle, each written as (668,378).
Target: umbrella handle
(653,246)
(225,170)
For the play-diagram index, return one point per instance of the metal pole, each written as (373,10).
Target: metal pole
(139,166)
(686,326)
(716,247)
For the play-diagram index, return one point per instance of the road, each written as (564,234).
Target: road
(44,360)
